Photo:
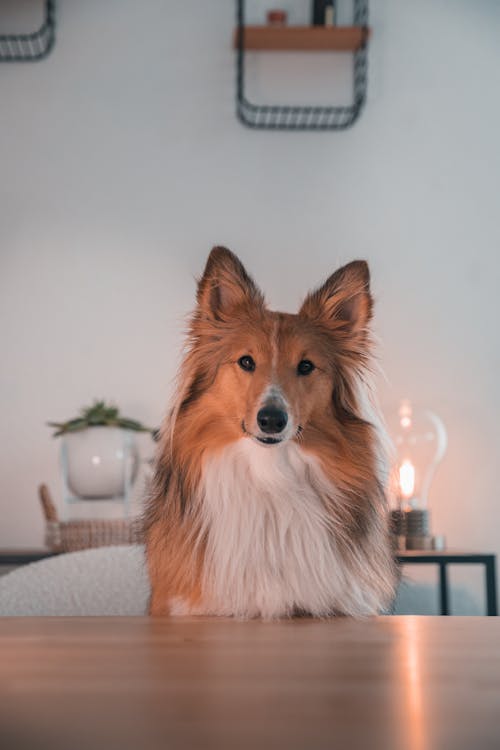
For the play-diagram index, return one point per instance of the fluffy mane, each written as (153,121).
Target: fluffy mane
(238,529)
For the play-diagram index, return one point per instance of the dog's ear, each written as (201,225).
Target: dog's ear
(344,301)
(225,285)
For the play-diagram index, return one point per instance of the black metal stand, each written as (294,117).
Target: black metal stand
(33,46)
(287,117)
(443,559)
(443,588)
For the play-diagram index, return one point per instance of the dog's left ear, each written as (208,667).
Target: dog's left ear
(225,286)
(344,301)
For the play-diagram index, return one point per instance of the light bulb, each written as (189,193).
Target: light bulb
(420,441)
(407,478)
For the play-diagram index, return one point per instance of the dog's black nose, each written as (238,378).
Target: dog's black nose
(271,420)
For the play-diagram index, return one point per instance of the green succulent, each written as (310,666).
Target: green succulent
(99,414)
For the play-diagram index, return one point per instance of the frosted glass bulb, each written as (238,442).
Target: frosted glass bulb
(420,442)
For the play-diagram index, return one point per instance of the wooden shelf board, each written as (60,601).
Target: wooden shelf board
(305,38)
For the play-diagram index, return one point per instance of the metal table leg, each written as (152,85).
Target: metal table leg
(491,586)
(443,588)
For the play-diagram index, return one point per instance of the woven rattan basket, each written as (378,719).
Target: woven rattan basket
(69,536)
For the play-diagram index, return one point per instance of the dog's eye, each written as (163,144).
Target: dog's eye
(247,363)
(305,367)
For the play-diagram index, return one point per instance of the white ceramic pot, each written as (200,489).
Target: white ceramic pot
(99,462)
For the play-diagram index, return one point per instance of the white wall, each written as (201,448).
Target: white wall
(123,162)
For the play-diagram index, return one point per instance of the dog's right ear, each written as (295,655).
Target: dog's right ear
(344,302)
(225,286)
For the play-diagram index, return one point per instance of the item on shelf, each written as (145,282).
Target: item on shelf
(439,543)
(99,414)
(420,440)
(416,542)
(324,13)
(397,526)
(417,522)
(330,13)
(99,463)
(277,17)
(99,457)
(71,536)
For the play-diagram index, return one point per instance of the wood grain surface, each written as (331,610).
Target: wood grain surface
(410,683)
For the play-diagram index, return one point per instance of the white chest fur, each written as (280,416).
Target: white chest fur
(270,542)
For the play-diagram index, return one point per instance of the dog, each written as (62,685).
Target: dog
(268,498)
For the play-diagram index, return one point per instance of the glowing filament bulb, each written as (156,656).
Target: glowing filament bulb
(407,478)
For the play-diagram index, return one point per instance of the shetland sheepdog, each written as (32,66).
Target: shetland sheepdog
(268,496)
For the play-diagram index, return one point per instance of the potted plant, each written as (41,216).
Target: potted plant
(99,452)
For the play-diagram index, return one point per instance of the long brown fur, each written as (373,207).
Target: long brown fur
(214,398)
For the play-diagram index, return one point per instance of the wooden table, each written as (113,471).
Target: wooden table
(405,683)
